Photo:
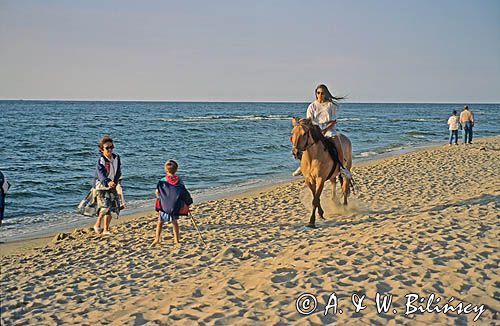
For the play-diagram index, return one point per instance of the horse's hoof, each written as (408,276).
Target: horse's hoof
(312,226)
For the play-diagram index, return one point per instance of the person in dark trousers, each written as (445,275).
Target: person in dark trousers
(467,121)
(4,187)
(453,126)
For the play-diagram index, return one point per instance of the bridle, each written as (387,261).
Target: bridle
(296,150)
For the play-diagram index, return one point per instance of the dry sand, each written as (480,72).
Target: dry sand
(424,222)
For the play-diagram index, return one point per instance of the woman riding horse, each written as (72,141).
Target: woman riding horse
(323,113)
(319,161)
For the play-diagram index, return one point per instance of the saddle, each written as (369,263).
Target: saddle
(332,150)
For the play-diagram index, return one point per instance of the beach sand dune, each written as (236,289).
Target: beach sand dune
(424,222)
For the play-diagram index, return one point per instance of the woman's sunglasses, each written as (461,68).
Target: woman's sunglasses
(109,147)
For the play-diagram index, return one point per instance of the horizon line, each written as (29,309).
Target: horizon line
(237,101)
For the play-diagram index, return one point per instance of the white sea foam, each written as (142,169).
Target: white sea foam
(218,118)
(366,154)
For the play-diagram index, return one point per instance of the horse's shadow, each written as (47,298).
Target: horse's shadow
(279,227)
(339,223)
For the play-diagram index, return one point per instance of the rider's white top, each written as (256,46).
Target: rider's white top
(322,113)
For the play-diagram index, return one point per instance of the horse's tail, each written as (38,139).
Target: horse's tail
(352,184)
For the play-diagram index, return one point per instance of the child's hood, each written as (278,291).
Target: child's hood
(173,179)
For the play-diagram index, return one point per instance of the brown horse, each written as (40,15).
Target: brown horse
(316,163)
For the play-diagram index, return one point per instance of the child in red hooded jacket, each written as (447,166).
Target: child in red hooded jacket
(172,196)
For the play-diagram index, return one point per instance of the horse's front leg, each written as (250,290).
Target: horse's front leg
(319,189)
(312,219)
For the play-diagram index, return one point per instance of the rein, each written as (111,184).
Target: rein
(307,145)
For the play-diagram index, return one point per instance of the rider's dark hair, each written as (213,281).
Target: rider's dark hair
(328,96)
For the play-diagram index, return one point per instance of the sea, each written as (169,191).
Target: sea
(48,149)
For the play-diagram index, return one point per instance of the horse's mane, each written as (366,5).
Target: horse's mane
(316,133)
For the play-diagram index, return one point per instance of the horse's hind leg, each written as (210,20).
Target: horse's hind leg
(334,185)
(319,190)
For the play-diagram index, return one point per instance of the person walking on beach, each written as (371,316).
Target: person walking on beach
(106,179)
(4,187)
(467,121)
(453,126)
(323,113)
(173,196)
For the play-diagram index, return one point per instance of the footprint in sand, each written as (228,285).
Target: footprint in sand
(285,275)
(359,278)
(383,287)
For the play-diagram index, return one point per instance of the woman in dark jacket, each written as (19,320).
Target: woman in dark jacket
(107,175)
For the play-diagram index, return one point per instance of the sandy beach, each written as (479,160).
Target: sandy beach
(425,222)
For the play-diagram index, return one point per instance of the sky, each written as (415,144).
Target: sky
(369,51)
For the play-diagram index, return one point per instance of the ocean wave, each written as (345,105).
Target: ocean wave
(420,134)
(272,147)
(366,154)
(23,226)
(380,150)
(216,118)
(417,120)
(348,119)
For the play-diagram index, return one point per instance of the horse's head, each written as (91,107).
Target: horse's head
(300,136)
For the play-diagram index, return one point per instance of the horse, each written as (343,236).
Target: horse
(315,152)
